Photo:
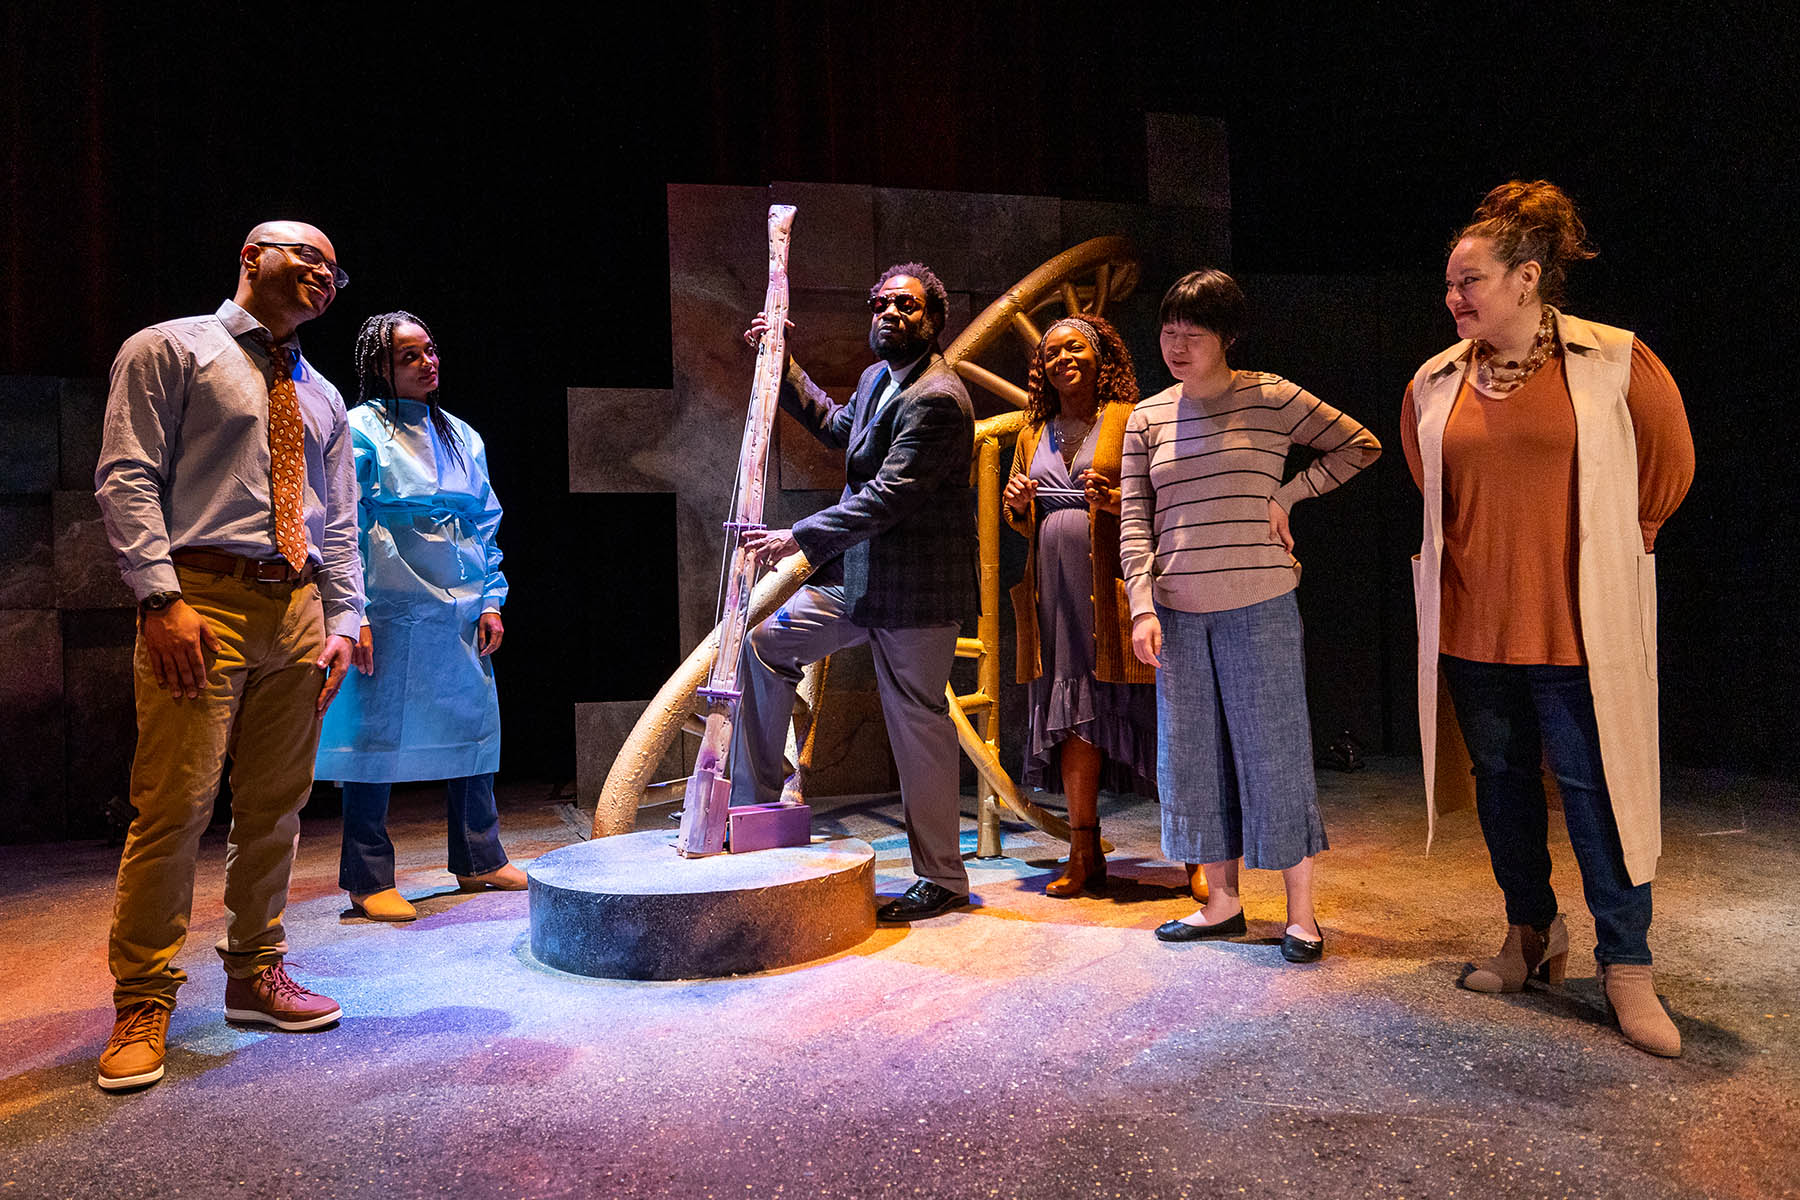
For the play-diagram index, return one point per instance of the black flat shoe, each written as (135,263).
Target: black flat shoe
(1181,931)
(922,900)
(1299,950)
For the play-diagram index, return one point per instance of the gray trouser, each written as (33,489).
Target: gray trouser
(911,668)
(1233,740)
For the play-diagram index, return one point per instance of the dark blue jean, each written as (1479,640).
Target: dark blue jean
(366,864)
(1513,718)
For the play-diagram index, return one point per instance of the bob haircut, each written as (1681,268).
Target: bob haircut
(1210,299)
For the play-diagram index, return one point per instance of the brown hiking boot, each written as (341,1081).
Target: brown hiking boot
(270,997)
(134,1053)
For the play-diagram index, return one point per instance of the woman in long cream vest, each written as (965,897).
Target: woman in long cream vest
(1549,450)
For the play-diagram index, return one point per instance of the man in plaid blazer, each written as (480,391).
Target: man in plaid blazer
(894,563)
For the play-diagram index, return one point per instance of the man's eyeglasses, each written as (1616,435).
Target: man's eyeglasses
(311,257)
(904,304)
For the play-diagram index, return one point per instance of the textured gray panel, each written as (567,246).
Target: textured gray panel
(851,755)
(31,725)
(1186,160)
(28,420)
(1169,241)
(82,408)
(830,340)
(87,570)
(975,242)
(720,232)
(718,276)
(805,464)
(100,716)
(27,576)
(624,440)
(601,728)
(834,234)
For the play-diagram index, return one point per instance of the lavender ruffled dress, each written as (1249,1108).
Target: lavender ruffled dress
(1120,718)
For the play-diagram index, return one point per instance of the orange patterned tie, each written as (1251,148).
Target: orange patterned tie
(287,455)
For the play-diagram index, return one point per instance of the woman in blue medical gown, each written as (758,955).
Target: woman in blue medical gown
(428,710)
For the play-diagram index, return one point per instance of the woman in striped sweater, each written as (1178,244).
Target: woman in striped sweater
(1210,575)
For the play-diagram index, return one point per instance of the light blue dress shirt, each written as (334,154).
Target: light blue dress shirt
(184,459)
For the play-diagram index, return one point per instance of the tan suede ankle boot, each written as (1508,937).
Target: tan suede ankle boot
(1524,954)
(1631,995)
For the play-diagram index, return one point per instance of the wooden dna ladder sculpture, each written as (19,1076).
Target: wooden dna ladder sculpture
(708,791)
(1080,280)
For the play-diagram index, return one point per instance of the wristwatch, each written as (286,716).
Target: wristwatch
(157,601)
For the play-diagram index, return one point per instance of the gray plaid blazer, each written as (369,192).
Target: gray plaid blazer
(901,539)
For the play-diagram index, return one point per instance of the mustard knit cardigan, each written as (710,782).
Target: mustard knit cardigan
(1113,660)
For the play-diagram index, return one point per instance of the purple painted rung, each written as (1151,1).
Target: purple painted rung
(742,525)
(766,826)
(706,693)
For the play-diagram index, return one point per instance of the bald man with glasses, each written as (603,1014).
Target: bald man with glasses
(227,486)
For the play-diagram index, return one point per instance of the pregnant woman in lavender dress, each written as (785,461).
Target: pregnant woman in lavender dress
(1093,711)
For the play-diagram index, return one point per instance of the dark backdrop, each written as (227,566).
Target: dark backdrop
(503,174)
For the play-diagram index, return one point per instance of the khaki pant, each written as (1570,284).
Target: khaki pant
(261,690)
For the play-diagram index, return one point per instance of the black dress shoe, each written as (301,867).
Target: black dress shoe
(923,899)
(1181,931)
(1299,950)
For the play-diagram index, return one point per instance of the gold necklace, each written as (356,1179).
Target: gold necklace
(1059,438)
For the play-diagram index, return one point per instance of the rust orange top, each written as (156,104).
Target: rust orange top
(1509,592)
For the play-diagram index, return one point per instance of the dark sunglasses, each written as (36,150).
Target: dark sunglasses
(903,303)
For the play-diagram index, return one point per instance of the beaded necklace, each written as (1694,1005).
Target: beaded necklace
(1503,378)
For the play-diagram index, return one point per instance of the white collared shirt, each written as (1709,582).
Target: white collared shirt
(894,383)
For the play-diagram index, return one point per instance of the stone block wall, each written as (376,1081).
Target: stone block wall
(66,620)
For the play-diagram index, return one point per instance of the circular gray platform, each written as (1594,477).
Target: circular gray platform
(630,907)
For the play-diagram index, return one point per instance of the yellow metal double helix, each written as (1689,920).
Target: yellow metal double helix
(1083,279)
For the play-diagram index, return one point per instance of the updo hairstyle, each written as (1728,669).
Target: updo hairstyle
(1537,221)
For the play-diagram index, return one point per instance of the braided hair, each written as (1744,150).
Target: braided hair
(375,374)
(1116,383)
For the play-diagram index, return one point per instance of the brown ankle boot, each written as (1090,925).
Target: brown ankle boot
(1525,953)
(1086,868)
(1631,995)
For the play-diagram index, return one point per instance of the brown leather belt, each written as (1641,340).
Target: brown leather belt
(252,570)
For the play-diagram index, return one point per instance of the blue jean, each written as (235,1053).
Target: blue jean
(366,864)
(1233,742)
(1513,717)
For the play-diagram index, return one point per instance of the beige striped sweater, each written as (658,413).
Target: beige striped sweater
(1197,479)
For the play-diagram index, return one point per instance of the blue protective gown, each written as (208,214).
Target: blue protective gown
(431,568)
